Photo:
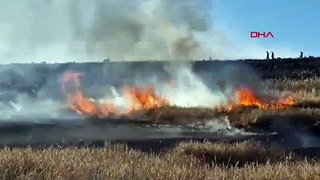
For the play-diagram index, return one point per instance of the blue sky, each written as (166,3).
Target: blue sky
(294,23)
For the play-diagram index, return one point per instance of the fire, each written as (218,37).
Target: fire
(142,98)
(246,98)
(82,105)
(135,99)
(75,98)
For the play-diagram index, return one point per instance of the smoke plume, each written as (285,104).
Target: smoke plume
(59,30)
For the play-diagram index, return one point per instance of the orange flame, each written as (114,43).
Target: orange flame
(136,99)
(76,100)
(142,98)
(246,98)
(82,105)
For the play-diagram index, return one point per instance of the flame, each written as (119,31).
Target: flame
(75,98)
(142,98)
(82,105)
(135,99)
(246,98)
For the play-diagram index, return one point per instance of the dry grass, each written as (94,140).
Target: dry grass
(306,92)
(294,85)
(247,117)
(234,154)
(173,114)
(244,117)
(245,160)
(307,89)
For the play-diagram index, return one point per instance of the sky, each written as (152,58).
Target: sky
(294,23)
(81,30)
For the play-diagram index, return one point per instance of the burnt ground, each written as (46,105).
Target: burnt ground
(96,133)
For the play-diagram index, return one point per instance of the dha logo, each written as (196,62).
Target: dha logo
(261,34)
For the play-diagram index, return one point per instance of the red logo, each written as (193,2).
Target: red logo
(261,34)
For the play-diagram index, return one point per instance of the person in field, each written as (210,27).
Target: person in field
(301,54)
(272,55)
(267,55)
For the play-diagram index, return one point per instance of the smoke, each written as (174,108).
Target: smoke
(47,30)
(188,86)
(26,108)
(33,91)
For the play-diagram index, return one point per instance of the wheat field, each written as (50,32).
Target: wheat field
(246,160)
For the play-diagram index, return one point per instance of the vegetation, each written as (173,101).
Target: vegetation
(246,160)
(305,92)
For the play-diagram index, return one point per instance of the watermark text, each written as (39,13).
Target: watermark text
(256,35)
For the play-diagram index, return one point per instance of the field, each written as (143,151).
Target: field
(296,158)
(246,160)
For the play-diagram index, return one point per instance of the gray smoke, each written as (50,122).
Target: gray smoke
(60,30)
